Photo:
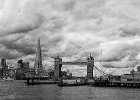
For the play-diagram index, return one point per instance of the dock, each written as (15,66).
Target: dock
(107,83)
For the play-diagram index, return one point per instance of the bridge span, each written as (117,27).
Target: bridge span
(73,63)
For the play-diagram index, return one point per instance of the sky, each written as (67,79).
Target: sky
(108,29)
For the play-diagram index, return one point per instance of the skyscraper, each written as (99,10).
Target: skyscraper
(38,60)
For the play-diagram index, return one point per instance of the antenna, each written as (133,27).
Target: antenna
(90,55)
(58,55)
(101,52)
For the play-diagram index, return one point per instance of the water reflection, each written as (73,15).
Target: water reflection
(18,90)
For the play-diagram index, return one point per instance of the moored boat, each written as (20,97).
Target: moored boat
(8,79)
(73,82)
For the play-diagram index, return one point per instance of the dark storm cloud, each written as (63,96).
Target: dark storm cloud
(56,25)
(22,28)
(120,64)
(130,30)
(9,54)
(26,28)
(120,50)
(25,47)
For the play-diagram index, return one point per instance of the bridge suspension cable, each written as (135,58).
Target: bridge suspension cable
(50,66)
(102,72)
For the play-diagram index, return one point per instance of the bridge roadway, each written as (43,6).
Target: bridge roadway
(73,63)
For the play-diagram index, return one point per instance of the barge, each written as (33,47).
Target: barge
(73,82)
(38,81)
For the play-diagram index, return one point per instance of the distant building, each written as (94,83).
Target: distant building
(1,72)
(11,71)
(4,71)
(22,64)
(11,67)
(51,74)
(25,64)
(22,70)
(134,76)
(70,75)
(3,63)
(138,68)
(30,73)
(64,74)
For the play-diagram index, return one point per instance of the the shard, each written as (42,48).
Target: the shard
(38,60)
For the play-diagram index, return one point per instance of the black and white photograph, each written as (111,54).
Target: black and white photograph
(69,49)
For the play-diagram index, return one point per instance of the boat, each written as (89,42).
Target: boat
(73,82)
(8,79)
(38,81)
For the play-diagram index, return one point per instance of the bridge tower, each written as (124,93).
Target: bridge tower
(57,68)
(90,66)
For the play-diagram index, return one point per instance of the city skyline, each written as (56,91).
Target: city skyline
(108,29)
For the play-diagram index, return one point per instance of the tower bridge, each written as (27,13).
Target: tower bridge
(58,65)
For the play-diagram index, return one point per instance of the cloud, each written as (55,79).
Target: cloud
(19,17)
(121,64)
(131,29)
(107,29)
(18,44)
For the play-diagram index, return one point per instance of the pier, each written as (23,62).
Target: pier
(107,83)
(39,80)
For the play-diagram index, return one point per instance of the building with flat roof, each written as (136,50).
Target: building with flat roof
(22,64)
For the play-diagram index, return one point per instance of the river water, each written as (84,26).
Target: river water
(18,90)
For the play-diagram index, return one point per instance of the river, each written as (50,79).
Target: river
(18,90)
